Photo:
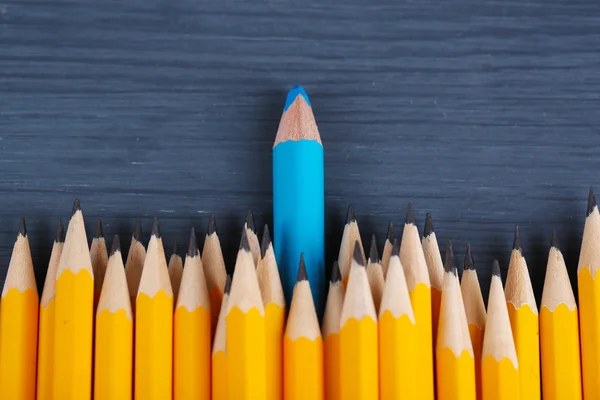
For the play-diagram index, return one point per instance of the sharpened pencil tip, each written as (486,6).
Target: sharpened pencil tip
(244,244)
(293,94)
(137,231)
(410,214)
(302,275)
(396,247)
(496,269)
(358,258)
(193,244)
(60,232)
(517,240)
(350,217)
(22,227)
(175,251)
(449,265)
(469,264)
(227,284)
(390,233)
(373,253)
(428,230)
(265,242)
(336,274)
(212,225)
(116,245)
(76,206)
(591,202)
(554,242)
(250,221)
(155,228)
(99,231)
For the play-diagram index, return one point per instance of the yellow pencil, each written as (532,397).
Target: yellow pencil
(113,361)
(245,334)
(589,301)
(435,268)
(350,236)
(524,321)
(99,257)
(375,274)
(192,345)
(474,310)
(19,324)
(303,345)
(387,248)
(417,278)
(397,335)
(331,334)
(559,332)
(274,302)
(214,270)
(74,314)
(499,365)
(358,336)
(175,268)
(454,353)
(135,263)
(153,378)
(219,354)
(45,365)
(250,228)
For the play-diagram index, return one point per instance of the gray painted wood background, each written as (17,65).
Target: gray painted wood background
(484,113)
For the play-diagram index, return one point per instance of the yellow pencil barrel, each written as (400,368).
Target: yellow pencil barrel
(359,359)
(45,352)
(455,377)
(332,367)
(500,379)
(219,376)
(73,335)
(113,359)
(397,357)
(589,314)
(18,340)
(275,324)
(559,336)
(421,303)
(525,327)
(303,369)
(192,353)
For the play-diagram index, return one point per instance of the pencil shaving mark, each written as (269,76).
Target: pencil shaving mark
(75,254)
(395,298)
(20,275)
(115,293)
(518,289)
(193,292)
(557,286)
(302,319)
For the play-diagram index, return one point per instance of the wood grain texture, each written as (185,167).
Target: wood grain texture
(484,113)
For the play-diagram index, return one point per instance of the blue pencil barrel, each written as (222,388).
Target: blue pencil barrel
(299,216)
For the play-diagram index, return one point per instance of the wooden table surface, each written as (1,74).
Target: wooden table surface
(484,113)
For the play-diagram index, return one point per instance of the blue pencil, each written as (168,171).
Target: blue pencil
(298,197)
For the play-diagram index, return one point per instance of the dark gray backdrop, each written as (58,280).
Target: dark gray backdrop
(485,113)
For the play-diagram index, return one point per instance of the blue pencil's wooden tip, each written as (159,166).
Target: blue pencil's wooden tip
(293,94)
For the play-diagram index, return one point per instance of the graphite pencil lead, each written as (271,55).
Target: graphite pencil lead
(137,231)
(428,230)
(449,265)
(99,231)
(155,228)
(396,247)
(469,264)
(250,221)
(244,244)
(390,232)
(336,275)
(76,206)
(193,244)
(60,232)
(116,245)
(265,242)
(517,241)
(554,242)
(410,214)
(496,269)
(591,202)
(358,258)
(350,217)
(373,253)
(227,284)
(302,275)
(22,226)
(212,225)
(175,248)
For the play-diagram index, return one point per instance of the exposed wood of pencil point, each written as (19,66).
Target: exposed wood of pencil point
(297,122)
